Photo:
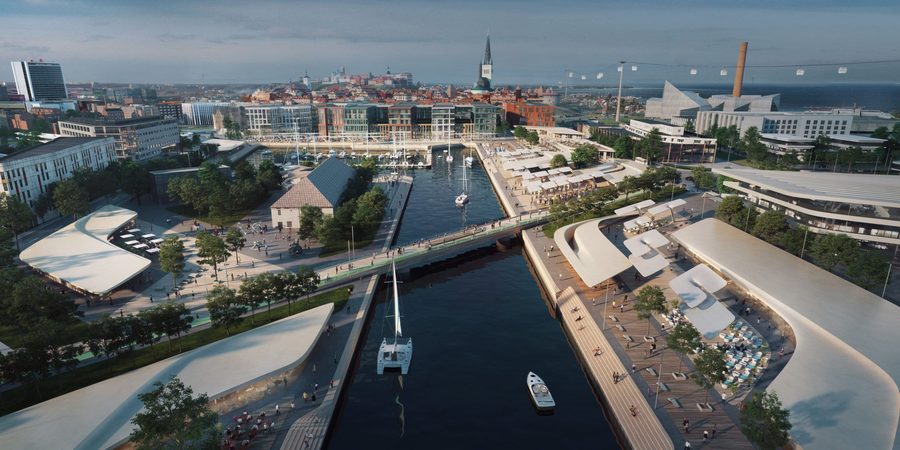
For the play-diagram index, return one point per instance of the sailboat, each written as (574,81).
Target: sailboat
(396,355)
(463,197)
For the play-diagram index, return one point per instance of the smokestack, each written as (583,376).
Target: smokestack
(739,73)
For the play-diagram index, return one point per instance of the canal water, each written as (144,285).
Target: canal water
(478,328)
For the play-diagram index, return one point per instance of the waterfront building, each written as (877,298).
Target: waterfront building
(360,119)
(137,138)
(321,187)
(781,144)
(443,120)
(804,124)
(38,81)
(27,174)
(200,114)
(266,119)
(678,145)
(330,120)
(679,106)
(522,113)
(477,119)
(864,207)
(845,141)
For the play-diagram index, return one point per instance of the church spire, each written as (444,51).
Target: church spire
(487,51)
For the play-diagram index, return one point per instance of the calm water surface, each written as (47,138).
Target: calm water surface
(478,329)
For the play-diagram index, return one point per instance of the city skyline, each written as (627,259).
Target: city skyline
(532,43)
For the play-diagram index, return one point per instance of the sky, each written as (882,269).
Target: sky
(533,42)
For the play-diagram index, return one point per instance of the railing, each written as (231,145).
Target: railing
(421,248)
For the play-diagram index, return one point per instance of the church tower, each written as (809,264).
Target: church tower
(487,64)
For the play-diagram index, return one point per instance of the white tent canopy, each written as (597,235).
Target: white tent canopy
(590,252)
(690,286)
(635,208)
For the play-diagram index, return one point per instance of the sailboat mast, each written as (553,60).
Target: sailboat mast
(397,330)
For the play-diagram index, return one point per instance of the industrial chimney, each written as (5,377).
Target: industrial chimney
(739,73)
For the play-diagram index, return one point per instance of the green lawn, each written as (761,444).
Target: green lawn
(25,396)
(75,331)
(336,248)
(225,221)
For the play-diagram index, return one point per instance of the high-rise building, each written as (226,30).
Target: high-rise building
(39,80)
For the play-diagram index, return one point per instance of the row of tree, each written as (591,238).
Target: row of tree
(865,267)
(596,202)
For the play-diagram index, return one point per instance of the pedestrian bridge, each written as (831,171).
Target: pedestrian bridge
(427,251)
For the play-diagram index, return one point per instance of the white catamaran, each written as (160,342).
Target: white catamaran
(396,355)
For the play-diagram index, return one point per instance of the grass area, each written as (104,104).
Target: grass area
(225,221)
(341,247)
(662,195)
(25,396)
(75,330)
(763,165)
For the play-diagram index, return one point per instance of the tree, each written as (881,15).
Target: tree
(557,161)
(225,309)
(771,227)
(650,300)
(268,175)
(307,281)
(106,336)
(764,421)
(173,418)
(173,319)
(234,241)
(624,147)
(650,146)
(689,126)
(533,138)
(730,208)
(233,129)
(703,178)
(829,250)
(310,220)
(585,155)
(627,185)
(71,199)
(43,352)
(15,215)
(211,250)
(291,288)
(710,365)
(252,293)
(752,146)
(868,268)
(520,132)
(684,339)
(171,257)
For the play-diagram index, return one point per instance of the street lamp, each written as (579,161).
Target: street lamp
(619,100)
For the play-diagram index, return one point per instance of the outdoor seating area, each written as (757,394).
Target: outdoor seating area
(138,242)
(746,354)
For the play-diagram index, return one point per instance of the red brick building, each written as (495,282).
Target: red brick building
(533,114)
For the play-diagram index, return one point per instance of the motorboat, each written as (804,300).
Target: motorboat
(469,160)
(449,158)
(462,199)
(539,392)
(396,354)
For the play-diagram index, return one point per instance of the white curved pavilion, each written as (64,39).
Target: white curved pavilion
(841,382)
(81,256)
(99,416)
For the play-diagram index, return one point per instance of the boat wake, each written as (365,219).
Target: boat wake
(402,419)
(402,408)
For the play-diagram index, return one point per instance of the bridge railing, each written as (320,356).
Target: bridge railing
(369,265)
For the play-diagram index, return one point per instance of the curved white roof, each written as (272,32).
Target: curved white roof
(99,416)
(81,255)
(882,190)
(841,382)
(590,253)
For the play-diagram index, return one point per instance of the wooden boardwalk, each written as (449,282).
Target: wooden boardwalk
(641,428)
